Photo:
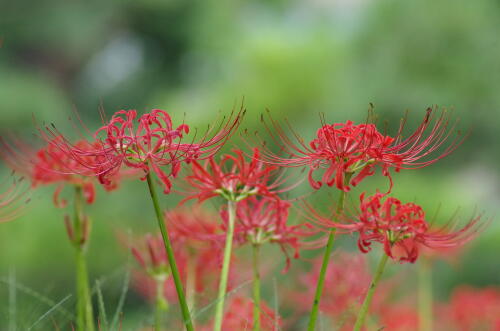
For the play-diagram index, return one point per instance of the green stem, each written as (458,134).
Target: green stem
(326,259)
(424,295)
(85,315)
(256,288)
(219,309)
(369,295)
(170,256)
(84,305)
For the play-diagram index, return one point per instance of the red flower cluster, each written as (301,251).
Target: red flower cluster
(153,143)
(345,148)
(402,228)
(341,148)
(262,220)
(234,178)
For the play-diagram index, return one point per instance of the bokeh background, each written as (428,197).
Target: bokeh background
(197,58)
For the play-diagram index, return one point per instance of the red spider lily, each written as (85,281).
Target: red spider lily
(12,201)
(346,148)
(52,165)
(401,228)
(151,144)
(262,220)
(339,148)
(239,316)
(473,309)
(234,178)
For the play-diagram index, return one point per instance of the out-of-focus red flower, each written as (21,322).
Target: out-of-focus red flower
(473,309)
(152,256)
(260,220)
(346,283)
(12,200)
(198,254)
(234,178)
(398,317)
(239,316)
(193,228)
(53,165)
(347,148)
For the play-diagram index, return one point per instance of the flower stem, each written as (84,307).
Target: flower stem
(424,296)
(84,313)
(219,310)
(369,295)
(170,256)
(256,288)
(326,259)
(85,317)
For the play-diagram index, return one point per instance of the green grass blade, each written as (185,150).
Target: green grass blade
(48,312)
(121,301)
(103,319)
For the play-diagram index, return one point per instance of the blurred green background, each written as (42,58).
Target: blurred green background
(194,58)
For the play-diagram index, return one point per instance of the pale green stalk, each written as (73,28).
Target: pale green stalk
(219,309)
(369,295)
(84,312)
